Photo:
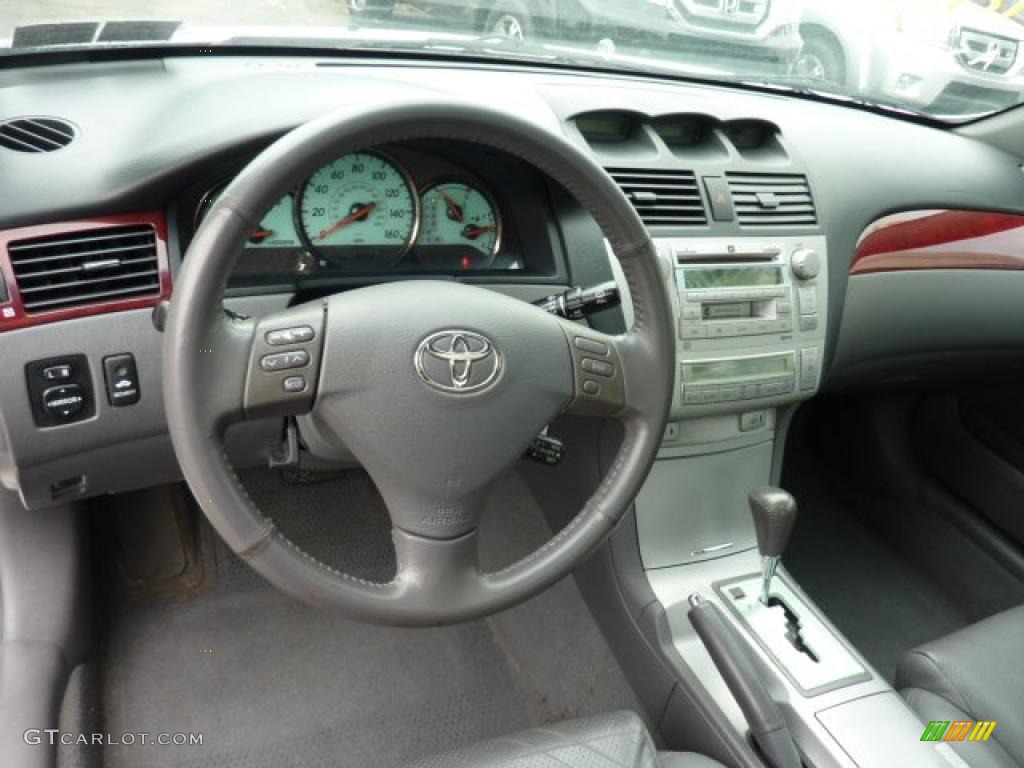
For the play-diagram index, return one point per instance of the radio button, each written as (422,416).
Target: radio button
(590,345)
(598,367)
(808,300)
(718,330)
(772,388)
(730,393)
(743,329)
(692,331)
(711,395)
(786,324)
(691,313)
(692,394)
(783,308)
(750,391)
(808,322)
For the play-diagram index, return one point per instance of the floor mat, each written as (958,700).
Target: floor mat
(270,683)
(882,603)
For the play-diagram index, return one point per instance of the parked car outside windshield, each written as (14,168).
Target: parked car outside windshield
(949,59)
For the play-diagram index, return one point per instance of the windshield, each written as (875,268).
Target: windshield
(949,59)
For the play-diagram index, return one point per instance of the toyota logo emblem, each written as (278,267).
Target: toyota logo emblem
(458,361)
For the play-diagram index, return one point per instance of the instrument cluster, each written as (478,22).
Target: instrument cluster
(364,212)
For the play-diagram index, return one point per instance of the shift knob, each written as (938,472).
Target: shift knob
(774,512)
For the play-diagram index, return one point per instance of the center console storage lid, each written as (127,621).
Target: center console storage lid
(881,730)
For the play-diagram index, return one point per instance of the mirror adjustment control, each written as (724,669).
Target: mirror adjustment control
(122,380)
(57,372)
(65,402)
(60,390)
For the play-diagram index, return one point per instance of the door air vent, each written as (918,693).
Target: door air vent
(662,198)
(36,134)
(772,200)
(90,267)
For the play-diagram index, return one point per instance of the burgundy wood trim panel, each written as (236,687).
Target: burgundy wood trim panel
(941,239)
(12,313)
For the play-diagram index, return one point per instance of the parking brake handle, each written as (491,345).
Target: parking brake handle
(767,726)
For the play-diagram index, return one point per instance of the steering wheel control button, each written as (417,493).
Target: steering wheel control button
(294,384)
(591,387)
(591,345)
(285,336)
(598,367)
(122,380)
(57,372)
(65,402)
(281,361)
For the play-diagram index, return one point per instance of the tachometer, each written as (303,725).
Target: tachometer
(359,209)
(276,229)
(460,214)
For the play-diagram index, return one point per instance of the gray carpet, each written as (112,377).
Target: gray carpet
(271,683)
(882,603)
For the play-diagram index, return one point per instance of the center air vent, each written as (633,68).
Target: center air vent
(36,134)
(75,268)
(772,200)
(662,198)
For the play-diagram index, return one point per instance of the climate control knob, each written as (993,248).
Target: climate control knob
(805,263)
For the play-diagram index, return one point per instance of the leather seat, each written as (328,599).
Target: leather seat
(615,740)
(976,673)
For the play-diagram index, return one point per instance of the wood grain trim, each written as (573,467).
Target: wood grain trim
(941,239)
(12,312)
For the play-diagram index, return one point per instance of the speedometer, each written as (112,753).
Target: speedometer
(360,209)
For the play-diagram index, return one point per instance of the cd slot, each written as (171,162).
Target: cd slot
(721,258)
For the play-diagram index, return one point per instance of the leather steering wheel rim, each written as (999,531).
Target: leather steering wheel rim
(213,378)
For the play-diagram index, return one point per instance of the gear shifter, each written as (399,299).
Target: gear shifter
(774,512)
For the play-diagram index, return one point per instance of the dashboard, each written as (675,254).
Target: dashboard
(434,208)
(757,201)
(428,209)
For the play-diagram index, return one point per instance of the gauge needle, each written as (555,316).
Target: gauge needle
(472,233)
(359,214)
(454,210)
(260,235)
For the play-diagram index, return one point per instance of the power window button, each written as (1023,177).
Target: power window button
(122,380)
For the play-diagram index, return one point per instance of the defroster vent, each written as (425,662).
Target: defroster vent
(772,199)
(89,267)
(663,198)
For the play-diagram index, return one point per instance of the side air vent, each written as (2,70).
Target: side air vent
(772,200)
(36,134)
(90,267)
(663,198)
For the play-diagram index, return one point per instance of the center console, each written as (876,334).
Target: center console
(752,316)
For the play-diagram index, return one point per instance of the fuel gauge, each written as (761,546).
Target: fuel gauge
(461,215)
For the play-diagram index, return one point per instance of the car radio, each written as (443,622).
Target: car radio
(751,317)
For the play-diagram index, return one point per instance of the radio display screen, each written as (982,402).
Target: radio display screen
(733,277)
(728,311)
(715,370)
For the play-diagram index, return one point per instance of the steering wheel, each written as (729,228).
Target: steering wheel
(436,387)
